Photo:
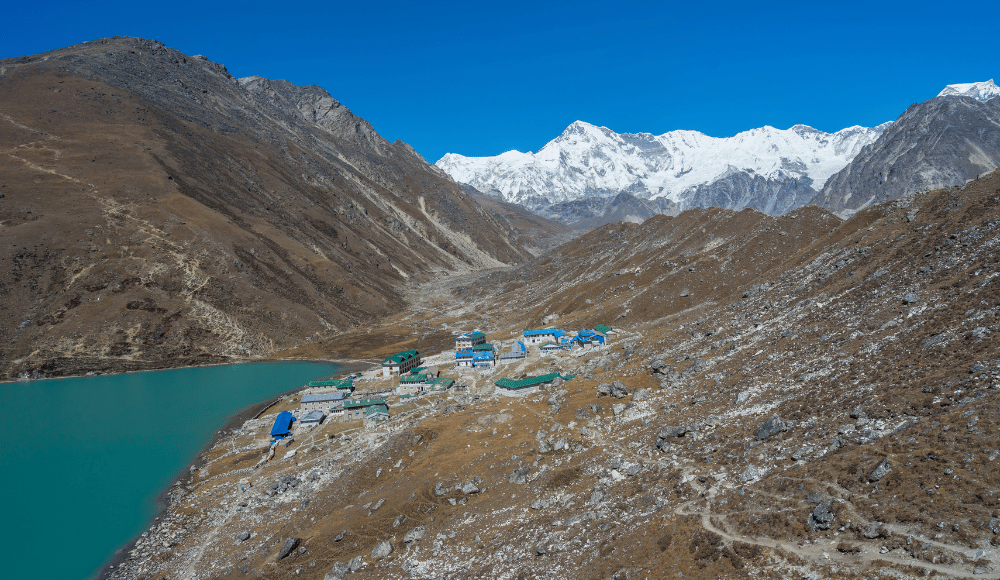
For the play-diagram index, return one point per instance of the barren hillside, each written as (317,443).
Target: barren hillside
(797,396)
(156,211)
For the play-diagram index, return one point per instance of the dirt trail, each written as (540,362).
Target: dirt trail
(820,555)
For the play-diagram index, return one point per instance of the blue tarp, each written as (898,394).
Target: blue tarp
(282,424)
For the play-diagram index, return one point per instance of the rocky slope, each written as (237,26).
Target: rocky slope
(768,169)
(156,211)
(942,142)
(788,396)
(621,208)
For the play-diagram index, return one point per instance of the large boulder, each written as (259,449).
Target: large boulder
(289,546)
(519,476)
(881,471)
(381,550)
(821,518)
(672,431)
(338,572)
(417,533)
(619,390)
(770,427)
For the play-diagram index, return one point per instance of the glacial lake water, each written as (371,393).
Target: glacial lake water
(84,460)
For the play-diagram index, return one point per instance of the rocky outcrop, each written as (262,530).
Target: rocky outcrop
(939,143)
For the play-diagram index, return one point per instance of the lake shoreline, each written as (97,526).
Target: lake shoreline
(345,367)
(187,364)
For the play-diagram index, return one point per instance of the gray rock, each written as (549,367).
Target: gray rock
(821,518)
(674,431)
(685,293)
(977,368)
(440,489)
(561,443)
(618,409)
(244,536)
(400,519)
(417,533)
(582,413)
(640,395)
(815,497)
(378,504)
(801,452)
(981,570)
(338,572)
(770,427)
(541,549)
(381,550)
(469,487)
(911,298)
(539,504)
(340,536)
(603,389)
(288,547)
(519,476)
(619,390)
(872,531)
(544,447)
(597,496)
(750,473)
(356,563)
(845,429)
(881,471)
(659,367)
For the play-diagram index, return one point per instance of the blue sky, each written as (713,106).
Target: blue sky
(481,79)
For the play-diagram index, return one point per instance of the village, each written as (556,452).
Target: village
(407,378)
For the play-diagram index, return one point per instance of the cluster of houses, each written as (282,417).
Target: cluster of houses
(471,350)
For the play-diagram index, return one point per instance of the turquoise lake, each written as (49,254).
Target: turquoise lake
(84,460)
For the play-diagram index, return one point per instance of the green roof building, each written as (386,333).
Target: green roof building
(400,363)
(355,410)
(528,382)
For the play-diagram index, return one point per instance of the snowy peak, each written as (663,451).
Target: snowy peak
(587,161)
(982,92)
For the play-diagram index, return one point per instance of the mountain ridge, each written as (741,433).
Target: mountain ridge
(942,142)
(678,166)
(159,212)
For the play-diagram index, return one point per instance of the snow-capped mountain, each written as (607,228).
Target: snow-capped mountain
(982,92)
(773,170)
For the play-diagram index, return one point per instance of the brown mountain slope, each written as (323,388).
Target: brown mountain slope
(871,340)
(157,211)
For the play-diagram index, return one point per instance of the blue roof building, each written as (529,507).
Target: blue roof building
(542,335)
(282,424)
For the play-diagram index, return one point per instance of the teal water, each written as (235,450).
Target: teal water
(83,460)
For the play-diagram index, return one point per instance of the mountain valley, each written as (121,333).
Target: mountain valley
(781,389)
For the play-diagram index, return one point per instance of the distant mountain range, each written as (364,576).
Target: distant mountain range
(575,177)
